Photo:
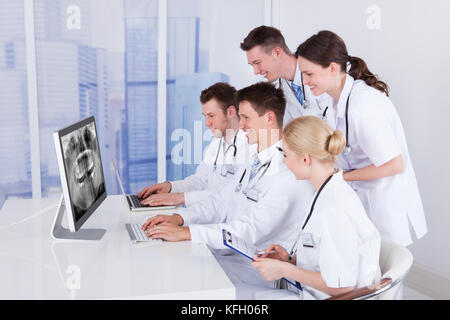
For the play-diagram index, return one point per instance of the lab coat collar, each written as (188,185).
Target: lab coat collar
(236,135)
(344,95)
(297,77)
(267,154)
(337,178)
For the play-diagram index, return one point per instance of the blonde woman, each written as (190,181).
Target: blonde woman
(338,246)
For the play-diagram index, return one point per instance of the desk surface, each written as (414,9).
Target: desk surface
(34,266)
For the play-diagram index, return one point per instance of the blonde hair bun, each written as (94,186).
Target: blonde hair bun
(336,143)
(311,135)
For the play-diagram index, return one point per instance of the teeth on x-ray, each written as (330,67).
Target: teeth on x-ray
(83,168)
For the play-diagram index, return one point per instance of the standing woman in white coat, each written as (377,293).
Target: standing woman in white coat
(376,160)
(338,246)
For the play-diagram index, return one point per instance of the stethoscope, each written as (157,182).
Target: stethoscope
(233,146)
(294,248)
(247,192)
(348,149)
(305,101)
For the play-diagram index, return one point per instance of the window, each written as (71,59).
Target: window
(15,161)
(203,38)
(101,58)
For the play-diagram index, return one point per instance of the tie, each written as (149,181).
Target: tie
(298,92)
(254,169)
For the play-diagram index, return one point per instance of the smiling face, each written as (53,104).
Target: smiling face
(316,77)
(215,118)
(265,64)
(251,123)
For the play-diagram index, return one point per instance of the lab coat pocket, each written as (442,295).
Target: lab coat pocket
(308,252)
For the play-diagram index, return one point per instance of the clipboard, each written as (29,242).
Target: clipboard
(240,246)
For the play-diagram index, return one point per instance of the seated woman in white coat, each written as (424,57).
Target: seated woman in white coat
(227,152)
(338,246)
(376,161)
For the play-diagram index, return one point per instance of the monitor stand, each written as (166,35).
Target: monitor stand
(61,233)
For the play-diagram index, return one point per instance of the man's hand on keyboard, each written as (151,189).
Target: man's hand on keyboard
(163,187)
(169,232)
(174,219)
(164,199)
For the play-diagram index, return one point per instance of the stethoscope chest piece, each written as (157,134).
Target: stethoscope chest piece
(347,150)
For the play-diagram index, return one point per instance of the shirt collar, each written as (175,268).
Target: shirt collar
(267,154)
(344,95)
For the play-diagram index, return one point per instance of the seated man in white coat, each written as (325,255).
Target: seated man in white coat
(263,205)
(227,152)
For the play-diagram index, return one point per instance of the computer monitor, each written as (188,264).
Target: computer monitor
(82,180)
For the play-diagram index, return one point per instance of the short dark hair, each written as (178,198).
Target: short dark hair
(266,37)
(263,96)
(223,93)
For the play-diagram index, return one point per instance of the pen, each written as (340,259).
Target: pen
(261,252)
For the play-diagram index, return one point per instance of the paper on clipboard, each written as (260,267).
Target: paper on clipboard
(237,244)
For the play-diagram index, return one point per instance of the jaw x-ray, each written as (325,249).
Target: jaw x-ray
(83,168)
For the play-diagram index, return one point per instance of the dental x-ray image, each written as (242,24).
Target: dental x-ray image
(83,168)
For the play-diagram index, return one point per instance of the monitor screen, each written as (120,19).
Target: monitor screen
(83,177)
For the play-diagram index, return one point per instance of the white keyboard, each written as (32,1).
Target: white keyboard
(137,234)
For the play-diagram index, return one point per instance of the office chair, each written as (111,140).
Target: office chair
(395,262)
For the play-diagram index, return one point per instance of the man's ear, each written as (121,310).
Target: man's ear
(231,111)
(271,118)
(277,51)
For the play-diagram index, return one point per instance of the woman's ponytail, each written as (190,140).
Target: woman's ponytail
(359,70)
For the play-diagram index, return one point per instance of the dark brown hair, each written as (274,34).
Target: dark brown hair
(263,96)
(326,47)
(223,93)
(266,37)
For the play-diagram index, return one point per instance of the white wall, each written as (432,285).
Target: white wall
(410,52)
(231,21)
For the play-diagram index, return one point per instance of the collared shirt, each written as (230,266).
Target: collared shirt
(376,136)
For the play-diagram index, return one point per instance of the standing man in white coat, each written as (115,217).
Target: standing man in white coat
(270,57)
(263,205)
(227,152)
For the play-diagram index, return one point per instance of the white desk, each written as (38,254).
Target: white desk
(34,266)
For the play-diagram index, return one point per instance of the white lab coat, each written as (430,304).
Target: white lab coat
(339,241)
(275,218)
(315,106)
(376,136)
(206,181)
